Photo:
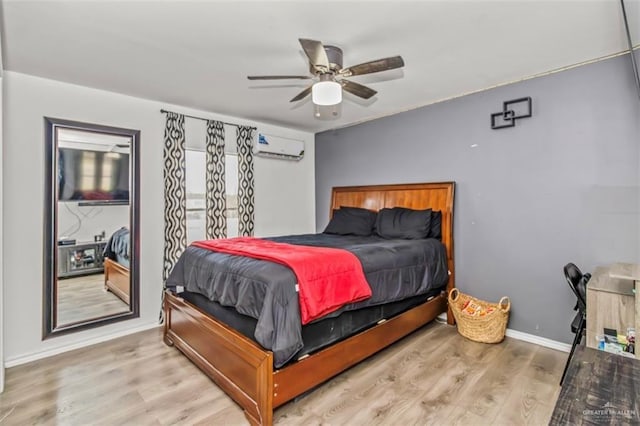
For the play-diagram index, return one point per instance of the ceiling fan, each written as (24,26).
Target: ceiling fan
(325,63)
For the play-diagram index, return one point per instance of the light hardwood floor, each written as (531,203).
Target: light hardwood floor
(82,298)
(433,376)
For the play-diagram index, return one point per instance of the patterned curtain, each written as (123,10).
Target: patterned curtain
(216,226)
(175,204)
(244,138)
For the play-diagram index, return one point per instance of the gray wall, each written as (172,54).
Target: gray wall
(561,186)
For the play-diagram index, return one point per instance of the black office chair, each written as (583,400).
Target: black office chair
(578,283)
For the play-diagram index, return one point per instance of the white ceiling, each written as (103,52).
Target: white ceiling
(198,54)
(71,138)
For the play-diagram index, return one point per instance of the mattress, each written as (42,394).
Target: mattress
(266,291)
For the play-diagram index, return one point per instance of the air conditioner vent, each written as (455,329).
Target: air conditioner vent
(279,147)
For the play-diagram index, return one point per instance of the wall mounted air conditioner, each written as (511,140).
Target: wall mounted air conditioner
(279,147)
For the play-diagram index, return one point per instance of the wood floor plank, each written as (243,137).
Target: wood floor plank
(492,389)
(386,369)
(82,298)
(546,364)
(230,415)
(533,399)
(462,416)
(523,407)
(433,376)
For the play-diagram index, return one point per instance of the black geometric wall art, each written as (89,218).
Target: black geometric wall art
(511,111)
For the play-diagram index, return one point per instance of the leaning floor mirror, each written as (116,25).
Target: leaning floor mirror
(91,226)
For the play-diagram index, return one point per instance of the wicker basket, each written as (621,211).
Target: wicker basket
(488,328)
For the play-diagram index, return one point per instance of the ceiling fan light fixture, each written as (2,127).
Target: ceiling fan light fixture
(326,93)
(325,64)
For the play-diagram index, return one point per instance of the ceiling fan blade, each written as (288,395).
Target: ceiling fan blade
(315,52)
(357,89)
(277,77)
(302,94)
(373,66)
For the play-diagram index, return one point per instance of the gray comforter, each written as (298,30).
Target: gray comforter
(266,291)
(117,247)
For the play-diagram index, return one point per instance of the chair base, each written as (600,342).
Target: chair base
(579,330)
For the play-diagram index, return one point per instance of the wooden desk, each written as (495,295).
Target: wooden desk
(600,388)
(611,301)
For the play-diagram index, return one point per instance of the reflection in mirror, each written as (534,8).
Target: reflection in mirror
(91,232)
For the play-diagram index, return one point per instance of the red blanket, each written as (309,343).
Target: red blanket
(328,278)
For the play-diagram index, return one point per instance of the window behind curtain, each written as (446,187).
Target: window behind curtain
(196,186)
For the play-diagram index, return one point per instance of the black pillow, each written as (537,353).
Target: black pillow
(351,221)
(435,230)
(399,222)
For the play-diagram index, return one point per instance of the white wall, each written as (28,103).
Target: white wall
(82,223)
(2,321)
(285,200)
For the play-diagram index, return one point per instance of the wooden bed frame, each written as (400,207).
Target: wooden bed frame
(244,370)
(116,279)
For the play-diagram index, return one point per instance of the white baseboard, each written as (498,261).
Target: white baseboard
(531,338)
(541,341)
(23,359)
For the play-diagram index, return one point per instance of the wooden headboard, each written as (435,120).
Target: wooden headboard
(419,196)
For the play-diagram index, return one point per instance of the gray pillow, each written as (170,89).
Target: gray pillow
(435,230)
(400,222)
(351,221)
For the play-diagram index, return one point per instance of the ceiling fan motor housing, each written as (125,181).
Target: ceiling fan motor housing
(334,54)
(329,76)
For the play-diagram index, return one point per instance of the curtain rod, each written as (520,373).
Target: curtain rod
(164,111)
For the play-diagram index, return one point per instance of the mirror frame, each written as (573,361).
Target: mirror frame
(50,266)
